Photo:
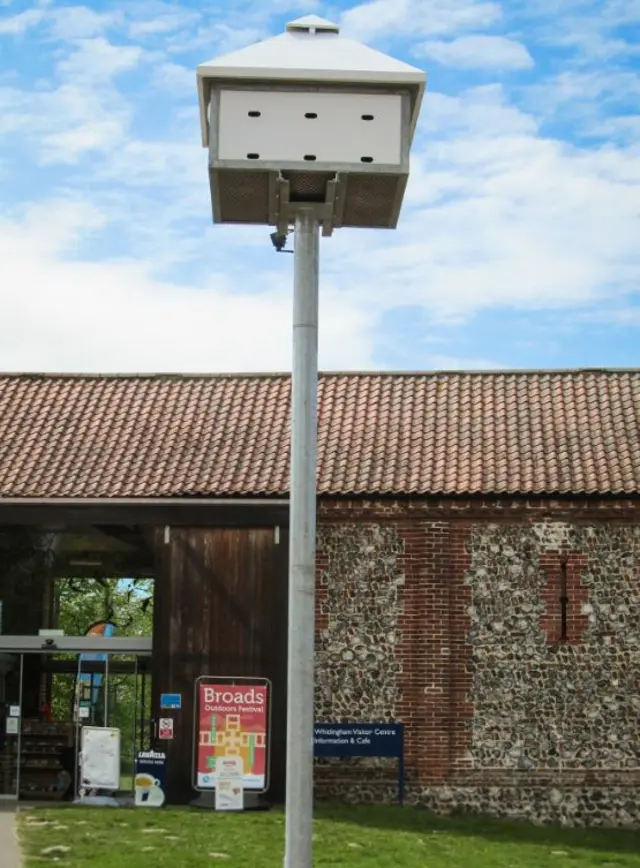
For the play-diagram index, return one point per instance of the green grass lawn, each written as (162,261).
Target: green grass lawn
(361,837)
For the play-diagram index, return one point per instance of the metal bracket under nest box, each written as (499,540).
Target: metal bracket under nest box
(328,210)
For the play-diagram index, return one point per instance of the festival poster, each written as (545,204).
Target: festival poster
(232,722)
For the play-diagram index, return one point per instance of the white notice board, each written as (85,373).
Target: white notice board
(100,758)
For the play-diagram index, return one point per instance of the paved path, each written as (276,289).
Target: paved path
(9,839)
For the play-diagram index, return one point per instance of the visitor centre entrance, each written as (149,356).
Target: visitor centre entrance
(54,690)
(76,635)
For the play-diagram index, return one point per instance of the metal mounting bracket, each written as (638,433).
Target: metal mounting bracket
(329,212)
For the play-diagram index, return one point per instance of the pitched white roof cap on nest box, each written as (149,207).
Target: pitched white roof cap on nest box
(310,23)
(310,50)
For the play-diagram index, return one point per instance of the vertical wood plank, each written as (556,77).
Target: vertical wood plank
(220,609)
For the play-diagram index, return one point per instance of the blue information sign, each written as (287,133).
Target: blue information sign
(362,739)
(170,700)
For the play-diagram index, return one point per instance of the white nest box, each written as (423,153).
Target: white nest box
(309,117)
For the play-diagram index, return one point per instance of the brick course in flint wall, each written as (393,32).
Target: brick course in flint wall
(448,616)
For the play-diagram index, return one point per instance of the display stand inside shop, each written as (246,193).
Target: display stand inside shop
(44,773)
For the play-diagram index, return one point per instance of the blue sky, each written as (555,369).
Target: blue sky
(519,243)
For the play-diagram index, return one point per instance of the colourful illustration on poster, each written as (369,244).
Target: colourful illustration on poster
(232,721)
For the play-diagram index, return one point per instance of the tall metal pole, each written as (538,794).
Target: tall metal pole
(302,545)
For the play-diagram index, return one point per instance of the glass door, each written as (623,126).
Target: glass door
(11,666)
(109,694)
(123,695)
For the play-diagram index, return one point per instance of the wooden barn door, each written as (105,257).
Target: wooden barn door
(220,609)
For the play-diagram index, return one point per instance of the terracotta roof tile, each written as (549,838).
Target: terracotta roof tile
(162,436)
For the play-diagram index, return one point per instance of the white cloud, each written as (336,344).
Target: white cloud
(623,126)
(498,216)
(279,7)
(97,59)
(217,38)
(12,114)
(87,113)
(67,145)
(595,85)
(623,11)
(63,313)
(418,17)
(17,25)
(481,111)
(174,78)
(63,123)
(82,113)
(157,18)
(80,22)
(221,30)
(624,317)
(590,27)
(479,52)
(589,98)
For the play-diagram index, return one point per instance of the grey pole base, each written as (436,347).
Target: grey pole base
(252,802)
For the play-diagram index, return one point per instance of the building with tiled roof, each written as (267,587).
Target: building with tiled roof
(478,564)
(537,433)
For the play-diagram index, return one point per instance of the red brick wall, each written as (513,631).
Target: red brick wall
(555,563)
(434,651)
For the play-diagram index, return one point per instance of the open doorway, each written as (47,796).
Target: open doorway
(76,616)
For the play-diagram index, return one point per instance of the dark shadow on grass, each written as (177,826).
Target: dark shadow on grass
(420,821)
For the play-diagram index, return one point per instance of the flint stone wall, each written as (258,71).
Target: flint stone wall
(553,735)
(357,662)
(554,705)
